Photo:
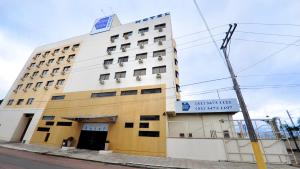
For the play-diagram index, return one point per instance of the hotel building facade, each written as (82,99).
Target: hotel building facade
(115,84)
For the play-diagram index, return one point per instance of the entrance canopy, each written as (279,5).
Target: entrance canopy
(93,118)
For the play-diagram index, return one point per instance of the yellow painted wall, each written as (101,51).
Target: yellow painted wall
(127,108)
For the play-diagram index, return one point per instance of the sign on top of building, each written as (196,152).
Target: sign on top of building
(102,24)
(152,17)
(207,106)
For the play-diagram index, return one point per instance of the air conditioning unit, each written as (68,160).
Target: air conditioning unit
(53,53)
(28,68)
(57,86)
(121,64)
(58,62)
(46,87)
(142,33)
(160,29)
(38,66)
(141,46)
(112,40)
(125,36)
(101,82)
(63,72)
(48,64)
(138,78)
(34,89)
(158,76)
(44,55)
(15,90)
(41,75)
(105,66)
(63,51)
(52,74)
(68,60)
(34,58)
(123,49)
(31,77)
(159,58)
(25,90)
(108,52)
(140,61)
(118,80)
(73,48)
(160,42)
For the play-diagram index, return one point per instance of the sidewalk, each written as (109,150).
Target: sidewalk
(136,161)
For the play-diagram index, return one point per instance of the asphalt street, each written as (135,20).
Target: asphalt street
(14,159)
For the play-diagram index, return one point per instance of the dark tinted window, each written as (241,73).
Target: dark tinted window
(61,97)
(128,92)
(63,123)
(149,133)
(48,117)
(49,123)
(104,94)
(149,91)
(128,125)
(144,125)
(44,129)
(149,117)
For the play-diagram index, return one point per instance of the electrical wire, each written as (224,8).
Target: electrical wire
(268,24)
(266,42)
(268,34)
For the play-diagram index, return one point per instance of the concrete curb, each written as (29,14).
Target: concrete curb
(129,164)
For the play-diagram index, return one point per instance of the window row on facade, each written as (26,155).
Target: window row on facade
(56,51)
(141,44)
(50,62)
(45,72)
(141,32)
(38,85)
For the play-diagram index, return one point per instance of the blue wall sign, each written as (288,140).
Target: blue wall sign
(102,25)
(185,106)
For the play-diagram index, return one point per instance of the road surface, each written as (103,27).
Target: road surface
(14,159)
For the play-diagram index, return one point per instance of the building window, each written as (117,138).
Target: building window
(159,53)
(45,72)
(55,70)
(66,48)
(159,69)
(43,129)
(160,26)
(111,48)
(66,68)
(144,125)
(60,82)
(28,86)
(139,72)
(50,83)
(123,59)
(35,73)
(175,51)
(176,74)
(128,125)
(47,137)
(141,56)
(151,91)
(47,53)
(126,35)
(30,101)
(104,76)
(103,94)
(120,74)
(41,63)
(177,88)
(56,50)
(49,123)
(70,57)
(142,31)
(108,62)
(125,46)
(113,38)
(149,133)
(74,47)
(60,59)
(19,86)
(159,38)
(149,117)
(63,123)
(32,64)
(60,97)
(48,117)
(128,92)
(38,84)
(176,62)
(50,61)
(26,75)
(142,42)
(10,101)
(20,101)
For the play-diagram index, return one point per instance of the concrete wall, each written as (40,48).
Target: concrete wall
(13,122)
(225,150)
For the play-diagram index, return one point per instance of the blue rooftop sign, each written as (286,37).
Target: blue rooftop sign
(102,25)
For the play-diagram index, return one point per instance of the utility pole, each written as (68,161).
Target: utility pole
(291,118)
(291,131)
(253,138)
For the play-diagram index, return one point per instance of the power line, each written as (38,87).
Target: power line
(268,34)
(268,56)
(194,33)
(268,24)
(266,42)
(265,75)
(209,31)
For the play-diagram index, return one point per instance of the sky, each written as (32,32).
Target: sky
(263,50)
